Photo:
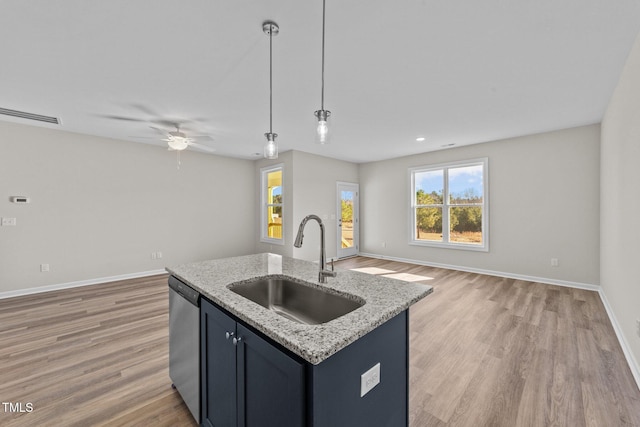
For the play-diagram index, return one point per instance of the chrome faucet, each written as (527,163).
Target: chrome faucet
(323,273)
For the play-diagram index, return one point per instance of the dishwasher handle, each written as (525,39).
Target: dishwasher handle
(184,290)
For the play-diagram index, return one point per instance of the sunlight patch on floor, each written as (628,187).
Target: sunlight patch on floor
(407,277)
(373,270)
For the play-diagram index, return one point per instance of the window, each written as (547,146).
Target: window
(271,209)
(449,205)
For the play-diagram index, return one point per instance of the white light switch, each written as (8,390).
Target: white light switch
(369,379)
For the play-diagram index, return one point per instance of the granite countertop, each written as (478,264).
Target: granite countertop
(384,298)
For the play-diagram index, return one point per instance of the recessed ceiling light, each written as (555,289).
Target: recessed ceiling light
(420,138)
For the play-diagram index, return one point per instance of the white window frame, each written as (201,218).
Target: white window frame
(264,227)
(445,243)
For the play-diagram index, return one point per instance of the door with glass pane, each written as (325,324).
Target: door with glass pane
(347,219)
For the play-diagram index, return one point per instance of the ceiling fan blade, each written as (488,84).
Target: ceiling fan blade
(201,138)
(160,131)
(122,118)
(202,147)
(148,111)
(170,123)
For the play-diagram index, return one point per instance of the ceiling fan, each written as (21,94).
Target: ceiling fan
(178,140)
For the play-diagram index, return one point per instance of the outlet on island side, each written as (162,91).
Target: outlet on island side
(369,379)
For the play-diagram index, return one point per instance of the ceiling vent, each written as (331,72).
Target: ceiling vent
(29,116)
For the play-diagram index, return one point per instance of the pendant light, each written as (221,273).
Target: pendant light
(271,29)
(322,130)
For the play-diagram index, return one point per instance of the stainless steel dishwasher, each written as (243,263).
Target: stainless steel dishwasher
(184,343)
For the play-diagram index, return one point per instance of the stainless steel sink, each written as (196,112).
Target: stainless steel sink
(296,301)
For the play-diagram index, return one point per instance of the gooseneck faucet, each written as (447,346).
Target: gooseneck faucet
(323,273)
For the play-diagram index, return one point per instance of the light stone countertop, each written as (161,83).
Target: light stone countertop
(384,298)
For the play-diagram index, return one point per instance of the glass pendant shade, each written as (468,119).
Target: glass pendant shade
(271,147)
(322,130)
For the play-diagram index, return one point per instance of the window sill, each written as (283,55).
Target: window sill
(458,246)
(272,241)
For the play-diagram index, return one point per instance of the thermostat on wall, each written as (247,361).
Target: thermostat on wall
(20,199)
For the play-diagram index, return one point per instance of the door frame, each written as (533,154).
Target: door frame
(353,251)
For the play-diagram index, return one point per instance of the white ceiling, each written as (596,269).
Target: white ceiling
(452,71)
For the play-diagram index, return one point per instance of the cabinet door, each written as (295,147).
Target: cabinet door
(270,384)
(218,362)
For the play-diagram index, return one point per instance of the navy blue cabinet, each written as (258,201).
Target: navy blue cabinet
(250,381)
(335,385)
(246,381)
(217,367)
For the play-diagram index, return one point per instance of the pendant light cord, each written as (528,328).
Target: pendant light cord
(270,80)
(322,94)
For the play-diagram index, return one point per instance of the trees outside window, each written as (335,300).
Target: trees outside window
(449,205)
(271,207)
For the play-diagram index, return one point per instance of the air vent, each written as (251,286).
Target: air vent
(29,116)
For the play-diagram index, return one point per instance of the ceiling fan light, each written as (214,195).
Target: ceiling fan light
(178,143)
(271,147)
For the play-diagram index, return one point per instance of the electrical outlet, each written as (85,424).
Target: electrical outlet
(159,255)
(44,268)
(153,255)
(369,380)
(554,262)
(8,222)
(638,327)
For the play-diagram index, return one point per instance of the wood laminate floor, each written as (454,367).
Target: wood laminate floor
(484,351)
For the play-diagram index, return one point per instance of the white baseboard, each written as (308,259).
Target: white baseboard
(29,291)
(631,361)
(548,281)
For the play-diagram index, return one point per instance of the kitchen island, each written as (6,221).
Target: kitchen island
(352,370)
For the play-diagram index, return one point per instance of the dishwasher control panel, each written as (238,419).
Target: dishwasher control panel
(185,291)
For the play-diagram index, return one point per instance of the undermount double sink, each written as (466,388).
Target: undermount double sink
(296,301)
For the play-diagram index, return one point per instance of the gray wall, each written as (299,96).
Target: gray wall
(315,180)
(544,203)
(310,188)
(100,207)
(620,204)
(286,249)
